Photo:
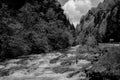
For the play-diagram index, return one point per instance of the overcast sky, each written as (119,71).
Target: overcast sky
(74,9)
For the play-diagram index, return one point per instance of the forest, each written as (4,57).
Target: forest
(33,27)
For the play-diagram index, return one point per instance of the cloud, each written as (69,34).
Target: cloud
(74,9)
(62,2)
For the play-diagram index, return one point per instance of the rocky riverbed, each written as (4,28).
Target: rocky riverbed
(52,66)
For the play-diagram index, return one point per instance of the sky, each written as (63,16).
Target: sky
(74,9)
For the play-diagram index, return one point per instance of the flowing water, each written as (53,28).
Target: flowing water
(38,67)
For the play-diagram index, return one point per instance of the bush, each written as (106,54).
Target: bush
(108,66)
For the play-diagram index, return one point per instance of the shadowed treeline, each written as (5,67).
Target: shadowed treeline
(33,27)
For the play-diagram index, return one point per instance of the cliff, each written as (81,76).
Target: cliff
(100,24)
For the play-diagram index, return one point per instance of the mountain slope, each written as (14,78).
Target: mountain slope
(100,24)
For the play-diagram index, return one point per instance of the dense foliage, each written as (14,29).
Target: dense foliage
(108,66)
(32,28)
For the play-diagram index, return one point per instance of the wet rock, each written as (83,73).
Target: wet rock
(54,60)
(72,74)
(66,63)
(4,73)
(61,69)
(82,76)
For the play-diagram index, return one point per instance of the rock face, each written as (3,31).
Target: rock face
(100,24)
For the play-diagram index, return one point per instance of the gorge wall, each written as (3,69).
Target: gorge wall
(100,24)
